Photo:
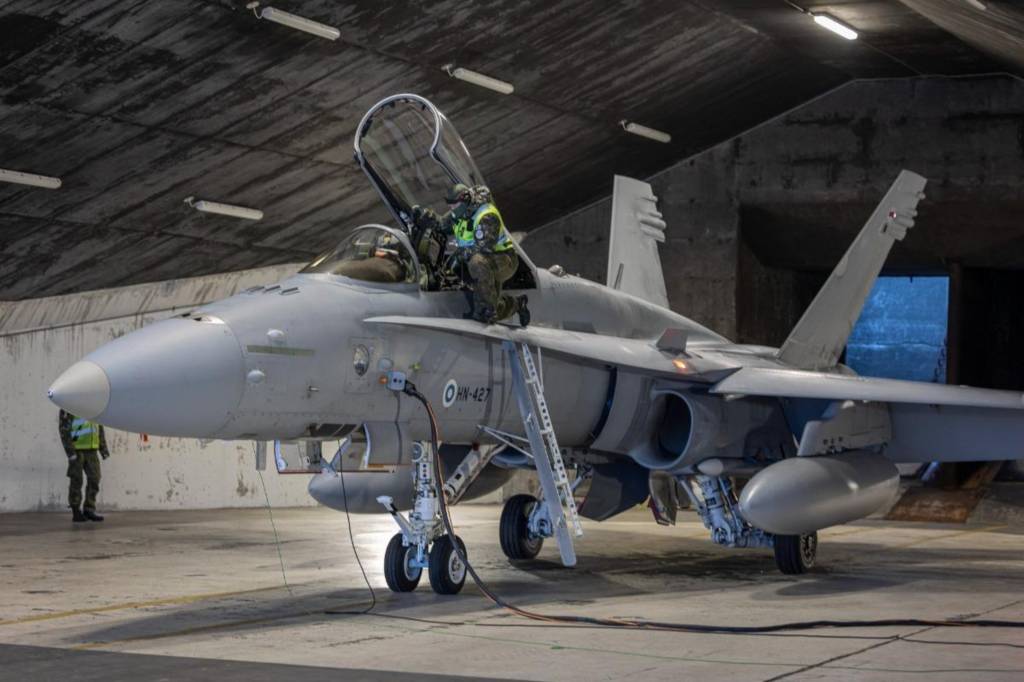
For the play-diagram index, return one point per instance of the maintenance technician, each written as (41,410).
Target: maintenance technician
(84,443)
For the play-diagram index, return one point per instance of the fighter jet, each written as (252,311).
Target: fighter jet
(609,386)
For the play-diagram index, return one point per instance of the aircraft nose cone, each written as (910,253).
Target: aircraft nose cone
(83,390)
(178,377)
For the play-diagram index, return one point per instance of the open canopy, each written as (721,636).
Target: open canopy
(412,154)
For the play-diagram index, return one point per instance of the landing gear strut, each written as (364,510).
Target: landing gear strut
(422,542)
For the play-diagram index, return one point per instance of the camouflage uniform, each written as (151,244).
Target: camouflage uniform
(485,246)
(489,271)
(482,243)
(82,464)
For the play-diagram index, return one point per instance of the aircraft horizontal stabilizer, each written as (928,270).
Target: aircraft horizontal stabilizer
(597,349)
(792,383)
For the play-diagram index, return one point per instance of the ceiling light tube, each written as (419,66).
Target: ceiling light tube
(834,25)
(295,21)
(224,209)
(644,131)
(480,79)
(19,178)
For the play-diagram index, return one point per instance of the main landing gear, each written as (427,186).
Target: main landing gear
(422,542)
(794,554)
(719,509)
(520,541)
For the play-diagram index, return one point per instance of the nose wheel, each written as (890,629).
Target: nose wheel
(446,570)
(401,570)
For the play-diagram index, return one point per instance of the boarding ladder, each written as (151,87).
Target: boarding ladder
(547,457)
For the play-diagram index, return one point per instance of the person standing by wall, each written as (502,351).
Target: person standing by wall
(84,443)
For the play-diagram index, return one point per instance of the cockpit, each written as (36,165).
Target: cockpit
(412,155)
(371,253)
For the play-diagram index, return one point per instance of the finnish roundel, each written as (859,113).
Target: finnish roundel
(451,389)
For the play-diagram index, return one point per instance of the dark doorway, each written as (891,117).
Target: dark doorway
(901,333)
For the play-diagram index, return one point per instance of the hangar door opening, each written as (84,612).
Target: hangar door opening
(902,331)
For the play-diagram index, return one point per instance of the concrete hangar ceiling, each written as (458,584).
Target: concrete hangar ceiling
(136,105)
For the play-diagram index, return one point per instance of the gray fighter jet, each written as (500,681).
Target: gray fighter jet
(607,385)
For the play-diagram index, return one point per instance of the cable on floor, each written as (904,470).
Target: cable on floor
(639,624)
(277,540)
(355,552)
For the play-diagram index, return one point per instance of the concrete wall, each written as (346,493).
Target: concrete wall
(756,222)
(698,258)
(42,337)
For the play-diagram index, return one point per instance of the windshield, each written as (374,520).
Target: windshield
(413,155)
(369,254)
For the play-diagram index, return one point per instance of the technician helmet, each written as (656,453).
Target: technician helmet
(481,194)
(459,194)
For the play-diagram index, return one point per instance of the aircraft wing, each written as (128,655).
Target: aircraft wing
(639,354)
(792,383)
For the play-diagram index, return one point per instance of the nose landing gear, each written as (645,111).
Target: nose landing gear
(422,542)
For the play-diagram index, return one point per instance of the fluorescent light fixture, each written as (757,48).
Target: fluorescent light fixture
(295,21)
(644,131)
(19,178)
(977,4)
(475,78)
(224,209)
(834,25)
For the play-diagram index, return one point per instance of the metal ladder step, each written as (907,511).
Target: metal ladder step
(547,455)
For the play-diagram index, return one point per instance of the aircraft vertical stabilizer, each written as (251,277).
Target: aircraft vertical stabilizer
(633,263)
(819,337)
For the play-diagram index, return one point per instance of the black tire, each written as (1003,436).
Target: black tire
(399,575)
(447,572)
(795,554)
(514,530)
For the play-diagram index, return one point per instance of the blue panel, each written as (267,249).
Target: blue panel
(901,334)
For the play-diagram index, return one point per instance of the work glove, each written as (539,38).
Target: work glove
(425,217)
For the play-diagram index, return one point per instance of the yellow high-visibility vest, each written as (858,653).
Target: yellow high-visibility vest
(468,231)
(85,435)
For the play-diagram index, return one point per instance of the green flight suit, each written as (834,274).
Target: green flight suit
(84,443)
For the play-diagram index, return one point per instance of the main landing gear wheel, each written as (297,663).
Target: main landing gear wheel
(399,572)
(446,570)
(794,554)
(517,542)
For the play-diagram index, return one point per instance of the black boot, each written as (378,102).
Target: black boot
(484,314)
(77,516)
(524,312)
(91,515)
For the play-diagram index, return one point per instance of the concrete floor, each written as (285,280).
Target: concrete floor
(83,602)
